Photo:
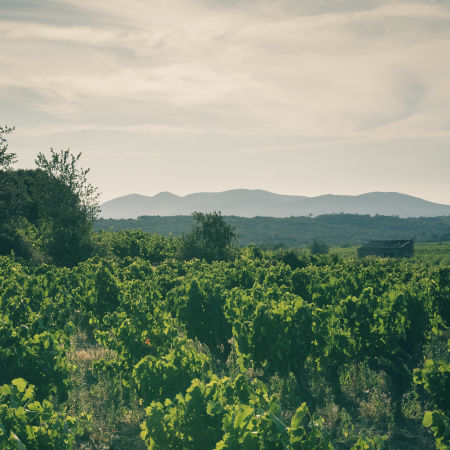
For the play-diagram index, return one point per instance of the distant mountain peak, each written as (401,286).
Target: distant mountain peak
(166,194)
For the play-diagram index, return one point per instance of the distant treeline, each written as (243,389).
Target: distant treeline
(333,229)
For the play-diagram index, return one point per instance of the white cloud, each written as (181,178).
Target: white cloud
(23,31)
(143,128)
(307,75)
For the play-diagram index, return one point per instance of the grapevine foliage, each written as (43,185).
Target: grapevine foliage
(27,423)
(262,351)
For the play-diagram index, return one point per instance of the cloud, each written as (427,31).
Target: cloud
(145,129)
(357,71)
(19,31)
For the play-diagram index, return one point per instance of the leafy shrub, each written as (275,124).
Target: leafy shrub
(26,423)
(39,357)
(163,377)
(440,426)
(435,378)
(226,414)
(199,305)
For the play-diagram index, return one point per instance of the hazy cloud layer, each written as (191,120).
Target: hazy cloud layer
(226,82)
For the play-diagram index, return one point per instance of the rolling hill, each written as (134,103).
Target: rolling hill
(254,203)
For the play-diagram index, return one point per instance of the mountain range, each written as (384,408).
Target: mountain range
(253,203)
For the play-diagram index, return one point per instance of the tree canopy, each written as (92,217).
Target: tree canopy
(211,238)
(6,159)
(63,166)
(318,248)
(40,218)
(46,214)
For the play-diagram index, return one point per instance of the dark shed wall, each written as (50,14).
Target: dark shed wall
(378,249)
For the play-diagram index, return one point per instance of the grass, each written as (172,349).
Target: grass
(115,414)
(435,253)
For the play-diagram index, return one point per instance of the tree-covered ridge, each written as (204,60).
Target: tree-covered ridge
(333,229)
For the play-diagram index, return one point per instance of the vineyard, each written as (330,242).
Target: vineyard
(268,350)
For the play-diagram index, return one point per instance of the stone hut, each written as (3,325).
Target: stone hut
(386,249)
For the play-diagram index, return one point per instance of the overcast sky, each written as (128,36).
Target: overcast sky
(300,97)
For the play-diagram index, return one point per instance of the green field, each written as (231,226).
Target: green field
(436,252)
(138,347)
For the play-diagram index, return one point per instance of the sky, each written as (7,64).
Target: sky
(304,97)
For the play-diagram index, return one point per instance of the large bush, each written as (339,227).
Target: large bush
(41,218)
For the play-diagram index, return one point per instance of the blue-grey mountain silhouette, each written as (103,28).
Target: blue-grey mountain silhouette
(253,203)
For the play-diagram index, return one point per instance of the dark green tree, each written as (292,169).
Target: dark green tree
(211,238)
(63,166)
(318,248)
(41,219)
(6,159)
(46,214)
